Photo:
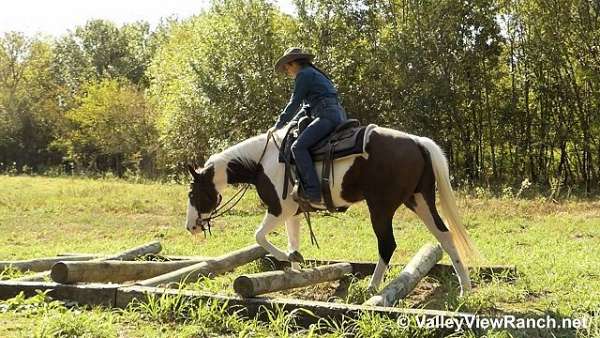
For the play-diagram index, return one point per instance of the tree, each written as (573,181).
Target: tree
(28,111)
(112,128)
(213,81)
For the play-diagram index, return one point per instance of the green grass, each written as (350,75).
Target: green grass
(555,246)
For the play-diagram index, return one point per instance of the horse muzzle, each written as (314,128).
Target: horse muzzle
(200,225)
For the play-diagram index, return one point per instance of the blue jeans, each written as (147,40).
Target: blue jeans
(315,132)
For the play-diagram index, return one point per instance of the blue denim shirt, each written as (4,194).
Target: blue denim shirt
(310,87)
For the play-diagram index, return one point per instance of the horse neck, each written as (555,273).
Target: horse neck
(238,164)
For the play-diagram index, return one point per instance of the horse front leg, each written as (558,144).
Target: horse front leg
(267,225)
(293,231)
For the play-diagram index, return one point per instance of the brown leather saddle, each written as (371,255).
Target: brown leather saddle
(347,139)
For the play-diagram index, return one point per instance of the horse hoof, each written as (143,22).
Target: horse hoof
(295,257)
(371,291)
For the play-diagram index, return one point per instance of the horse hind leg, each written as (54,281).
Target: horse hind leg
(423,204)
(386,244)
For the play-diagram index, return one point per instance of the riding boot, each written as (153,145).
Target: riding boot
(298,196)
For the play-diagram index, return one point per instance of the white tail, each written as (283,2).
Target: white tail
(466,249)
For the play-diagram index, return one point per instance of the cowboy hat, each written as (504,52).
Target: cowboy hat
(291,54)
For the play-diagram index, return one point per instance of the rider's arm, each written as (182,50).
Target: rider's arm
(301,86)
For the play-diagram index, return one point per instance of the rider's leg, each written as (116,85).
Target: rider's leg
(314,133)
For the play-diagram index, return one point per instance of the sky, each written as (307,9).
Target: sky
(56,17)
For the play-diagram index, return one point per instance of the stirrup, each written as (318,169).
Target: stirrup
(299,197)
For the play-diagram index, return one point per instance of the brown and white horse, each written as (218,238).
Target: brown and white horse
(398,168)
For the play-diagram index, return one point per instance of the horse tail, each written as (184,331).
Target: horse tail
(467,251)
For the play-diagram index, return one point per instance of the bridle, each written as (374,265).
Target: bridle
(220,210)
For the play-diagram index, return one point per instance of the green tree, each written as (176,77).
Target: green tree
(28,111)
(111,128)
(100,49)
(213,81)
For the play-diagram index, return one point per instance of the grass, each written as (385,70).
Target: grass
(555,246)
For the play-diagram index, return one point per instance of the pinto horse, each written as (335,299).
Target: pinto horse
(397,168)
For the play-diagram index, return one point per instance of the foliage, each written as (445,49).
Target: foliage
(99,49)
(10,273)
(509,88)
(111,128)
(213,79)
(40,303)
(27,110)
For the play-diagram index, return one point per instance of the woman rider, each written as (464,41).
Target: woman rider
(315,95)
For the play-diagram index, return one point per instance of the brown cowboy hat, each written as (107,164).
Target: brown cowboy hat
(291,54)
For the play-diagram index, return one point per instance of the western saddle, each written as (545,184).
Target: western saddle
(346,140)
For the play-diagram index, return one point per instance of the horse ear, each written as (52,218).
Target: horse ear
(192,170)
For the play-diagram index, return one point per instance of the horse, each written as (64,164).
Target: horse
(397,168)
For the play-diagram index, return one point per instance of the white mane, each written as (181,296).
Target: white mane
(247,151)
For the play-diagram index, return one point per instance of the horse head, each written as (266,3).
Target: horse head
(203,199)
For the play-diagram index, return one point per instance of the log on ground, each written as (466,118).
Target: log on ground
(148,248)
(273,281)
(87,294)
(208,268)
(113,271)
(41,264)
(150,257)
(364,268)
(415,270)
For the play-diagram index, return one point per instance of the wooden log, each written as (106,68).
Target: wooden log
(112,271)
(415,270)
(67,254)
(153,247)
(36,277)
(272,281)
(365,268)
(210,267)
(148,248)
(156,257)
(41,264)
(86,294)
